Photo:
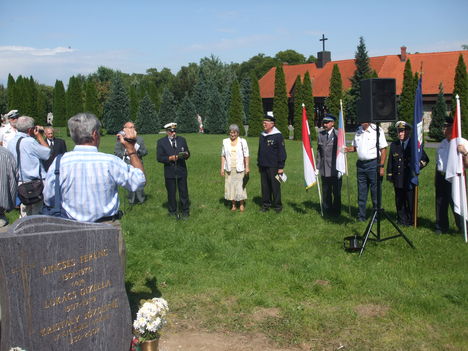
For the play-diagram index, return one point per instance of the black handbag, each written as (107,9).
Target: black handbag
(29,192)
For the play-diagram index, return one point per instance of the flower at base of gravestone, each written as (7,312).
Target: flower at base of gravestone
(134,344)
(17,349)
(150,319)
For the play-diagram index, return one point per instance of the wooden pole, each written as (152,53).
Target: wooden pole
(416,209)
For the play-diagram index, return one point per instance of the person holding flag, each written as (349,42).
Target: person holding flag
(454,150)
(326,164)
(399,172)
(443,186)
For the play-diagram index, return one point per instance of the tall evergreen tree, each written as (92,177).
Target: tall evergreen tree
(460,88)
(310,107)
(3,100)
(255,109)
(133,102)
(332,103)
(200,96)
(187,116)
(19,95)
(11,93)
(147,121)
(30,96)
(236,109)
(439,113)
(363,71)
(74,97)
(116,109)
(406,103)
(216,118)
(246,88)
(280,102)
(41,107)
(298,101)
(91,99)
(167,111)
(59,108)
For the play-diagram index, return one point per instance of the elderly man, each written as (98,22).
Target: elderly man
(271,159)
(33,149)
(365,144)
(89,179)
(326,164)
(134,197)
(399,173)
(8,131)
(8,184)
(172,151)
(56,145)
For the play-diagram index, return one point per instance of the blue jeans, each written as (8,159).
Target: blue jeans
(366,178)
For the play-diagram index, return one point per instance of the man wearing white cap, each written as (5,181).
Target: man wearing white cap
(172,151)
(9,131)
(399,173)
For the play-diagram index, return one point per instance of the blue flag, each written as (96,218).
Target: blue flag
(417,135)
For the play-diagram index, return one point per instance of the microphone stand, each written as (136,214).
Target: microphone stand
(379,211)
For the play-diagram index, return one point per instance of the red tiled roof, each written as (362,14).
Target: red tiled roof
(436,66)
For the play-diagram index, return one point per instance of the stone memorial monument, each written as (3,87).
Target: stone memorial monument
(62,287)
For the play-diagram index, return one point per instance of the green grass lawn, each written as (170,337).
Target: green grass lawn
(220,269)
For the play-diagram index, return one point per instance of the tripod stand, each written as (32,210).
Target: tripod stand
(379,212)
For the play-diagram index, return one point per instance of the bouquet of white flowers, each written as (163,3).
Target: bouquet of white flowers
(151,317)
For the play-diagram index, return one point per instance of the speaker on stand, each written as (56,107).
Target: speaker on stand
(378,104)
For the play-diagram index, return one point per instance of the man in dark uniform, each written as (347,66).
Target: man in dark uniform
(326,164)
(57,146)
(271,159)
(172,151)
(399,173)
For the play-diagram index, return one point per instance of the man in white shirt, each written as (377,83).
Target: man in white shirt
(365,144)
(8,131)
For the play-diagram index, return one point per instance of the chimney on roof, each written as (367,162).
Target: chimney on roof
(403,54)
(322,58)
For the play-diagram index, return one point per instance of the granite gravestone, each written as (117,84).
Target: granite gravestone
(62,287)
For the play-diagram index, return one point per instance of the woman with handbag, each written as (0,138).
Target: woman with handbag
(235,168)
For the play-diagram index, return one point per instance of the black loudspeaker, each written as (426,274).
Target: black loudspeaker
(378,100)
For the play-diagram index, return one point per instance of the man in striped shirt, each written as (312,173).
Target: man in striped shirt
(89,179)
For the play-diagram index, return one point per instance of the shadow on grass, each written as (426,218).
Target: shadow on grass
(150,290)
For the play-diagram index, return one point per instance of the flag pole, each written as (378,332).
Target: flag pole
(346,161)
(318,184)
(462,175)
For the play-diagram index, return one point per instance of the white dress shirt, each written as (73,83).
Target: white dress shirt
(365,142)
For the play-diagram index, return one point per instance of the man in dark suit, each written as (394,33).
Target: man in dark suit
(172,151)
(326,164)
(56,145)
(399,173)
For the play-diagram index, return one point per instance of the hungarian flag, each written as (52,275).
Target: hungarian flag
(309,163)
(455,172)
(341,146)
(417,135)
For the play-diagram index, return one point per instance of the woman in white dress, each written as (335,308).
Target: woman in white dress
(234,167)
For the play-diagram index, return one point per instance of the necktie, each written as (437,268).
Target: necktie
(173,143)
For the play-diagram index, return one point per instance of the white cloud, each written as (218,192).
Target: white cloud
(47,65)
(25,50)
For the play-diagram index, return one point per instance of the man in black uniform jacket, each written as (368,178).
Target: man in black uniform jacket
(56,145)
(271,159)
(172,151)
(399,173)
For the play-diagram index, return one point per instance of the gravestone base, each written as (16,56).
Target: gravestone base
(62,287)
